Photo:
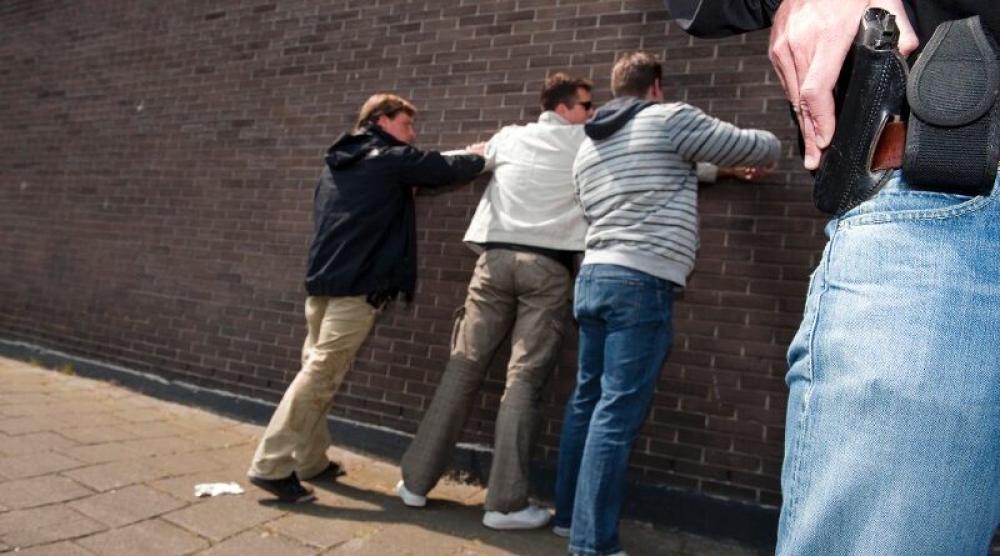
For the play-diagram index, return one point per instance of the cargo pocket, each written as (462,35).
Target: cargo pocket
(459,317)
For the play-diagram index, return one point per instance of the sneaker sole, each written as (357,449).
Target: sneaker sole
(513,526)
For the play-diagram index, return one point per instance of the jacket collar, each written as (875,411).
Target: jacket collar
(551,117)
(383,135)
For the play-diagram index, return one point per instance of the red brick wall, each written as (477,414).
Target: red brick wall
(157,161)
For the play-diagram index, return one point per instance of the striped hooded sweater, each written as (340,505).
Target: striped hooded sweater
(635,178)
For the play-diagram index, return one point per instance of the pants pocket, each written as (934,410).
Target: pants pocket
(459,317)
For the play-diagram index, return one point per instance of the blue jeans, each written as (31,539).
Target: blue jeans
(625,334)
(892,441)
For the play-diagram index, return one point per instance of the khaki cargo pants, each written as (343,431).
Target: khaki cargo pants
(509,288)
(297,438)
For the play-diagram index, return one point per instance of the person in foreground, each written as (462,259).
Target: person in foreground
(363,255)
(527,230)
(892,441)
(635,177)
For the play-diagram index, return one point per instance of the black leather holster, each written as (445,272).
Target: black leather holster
(949,103)
(871,92)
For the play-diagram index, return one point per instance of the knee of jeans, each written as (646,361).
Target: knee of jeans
(581,402)
(625,415)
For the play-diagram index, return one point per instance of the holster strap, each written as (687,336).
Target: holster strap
(953,136)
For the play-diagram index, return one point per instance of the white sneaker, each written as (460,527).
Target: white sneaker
(408,498)
(531,517)
(561,531)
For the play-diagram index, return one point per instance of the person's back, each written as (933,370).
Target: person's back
(363,254)
(527,230)
(530,200)
(636,180)
(364,240)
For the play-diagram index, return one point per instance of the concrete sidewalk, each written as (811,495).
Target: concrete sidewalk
(87,467)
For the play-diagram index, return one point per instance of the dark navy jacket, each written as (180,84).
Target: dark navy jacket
(722,18)
(365,238)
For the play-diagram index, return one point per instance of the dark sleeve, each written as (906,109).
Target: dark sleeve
(433,169)
(722,18)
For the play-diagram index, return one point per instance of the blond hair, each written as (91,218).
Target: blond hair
(383,104)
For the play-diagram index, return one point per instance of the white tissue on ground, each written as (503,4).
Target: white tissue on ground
(215,489)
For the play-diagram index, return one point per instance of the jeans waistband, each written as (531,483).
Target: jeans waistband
(613,271)
(897,182)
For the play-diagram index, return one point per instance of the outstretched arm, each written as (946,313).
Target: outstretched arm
(702,138)
(433,169)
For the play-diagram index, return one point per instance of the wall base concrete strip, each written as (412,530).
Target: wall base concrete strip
(667,507)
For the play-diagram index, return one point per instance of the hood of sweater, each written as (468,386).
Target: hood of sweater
(614,115)
(352,147)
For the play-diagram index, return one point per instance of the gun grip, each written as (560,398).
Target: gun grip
(876,94)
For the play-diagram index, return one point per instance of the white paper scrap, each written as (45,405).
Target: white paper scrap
(215,489)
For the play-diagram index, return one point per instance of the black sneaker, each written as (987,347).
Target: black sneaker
(288,489)
(329,474)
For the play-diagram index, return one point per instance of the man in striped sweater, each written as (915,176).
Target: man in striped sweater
(636,181)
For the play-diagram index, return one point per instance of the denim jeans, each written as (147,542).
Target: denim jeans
(893,430)
(625,334)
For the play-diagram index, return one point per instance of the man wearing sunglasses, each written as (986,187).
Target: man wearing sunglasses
(527,229)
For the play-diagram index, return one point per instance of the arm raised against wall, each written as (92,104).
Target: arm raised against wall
(432,169)
(702,138)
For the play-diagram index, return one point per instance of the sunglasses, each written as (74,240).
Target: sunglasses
(587,105)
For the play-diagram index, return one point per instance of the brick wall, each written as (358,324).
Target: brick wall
(157,161)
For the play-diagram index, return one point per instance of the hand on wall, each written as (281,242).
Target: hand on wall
(746,173)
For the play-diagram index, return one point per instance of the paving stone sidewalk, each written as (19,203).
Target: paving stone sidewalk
(89,468)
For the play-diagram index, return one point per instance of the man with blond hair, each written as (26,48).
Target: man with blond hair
(363,255)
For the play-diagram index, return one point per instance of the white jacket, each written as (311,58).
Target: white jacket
(531,199)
